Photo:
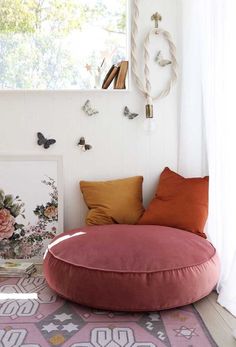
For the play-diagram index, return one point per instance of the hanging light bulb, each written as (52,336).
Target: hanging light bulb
(150,123)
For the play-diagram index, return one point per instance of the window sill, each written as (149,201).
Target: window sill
(65,90)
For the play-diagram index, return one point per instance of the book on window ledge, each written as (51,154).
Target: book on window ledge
(121,76)
(15,269)
(110,76)
(117,73)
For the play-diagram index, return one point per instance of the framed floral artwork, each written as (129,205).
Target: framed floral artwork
(31,205)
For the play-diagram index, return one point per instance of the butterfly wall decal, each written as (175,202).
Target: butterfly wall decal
(42,141)
(129,114)
(83,145)
(87,108)
(161,61)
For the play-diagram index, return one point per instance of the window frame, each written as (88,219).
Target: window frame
(99,90)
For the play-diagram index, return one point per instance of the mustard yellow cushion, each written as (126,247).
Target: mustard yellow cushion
(113,202)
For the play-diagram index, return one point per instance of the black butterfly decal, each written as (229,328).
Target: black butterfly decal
(42,141)
(88,109)
(128,114)
(83,145)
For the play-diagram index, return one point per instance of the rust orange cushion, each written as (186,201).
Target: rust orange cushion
(113,202)
(179,202)
(131,267)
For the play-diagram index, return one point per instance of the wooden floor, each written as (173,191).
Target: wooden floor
(219,321)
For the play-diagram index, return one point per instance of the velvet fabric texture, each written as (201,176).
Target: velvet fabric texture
(131,268)
(113,202)
(179,202)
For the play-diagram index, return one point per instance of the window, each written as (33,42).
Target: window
(60,44)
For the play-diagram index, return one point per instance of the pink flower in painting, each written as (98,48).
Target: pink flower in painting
(7,222)
(26,249)
(51,212)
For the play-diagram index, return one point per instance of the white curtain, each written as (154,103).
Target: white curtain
(207,127)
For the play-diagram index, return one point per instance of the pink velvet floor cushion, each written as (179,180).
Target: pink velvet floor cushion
(131,267)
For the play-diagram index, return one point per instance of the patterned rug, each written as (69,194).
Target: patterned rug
(52,321)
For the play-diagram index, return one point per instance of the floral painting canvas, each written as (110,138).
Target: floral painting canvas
(30,206)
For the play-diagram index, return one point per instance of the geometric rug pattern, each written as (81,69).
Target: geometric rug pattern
(53,321)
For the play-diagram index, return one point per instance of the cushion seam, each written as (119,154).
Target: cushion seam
(141,308)
(133,272)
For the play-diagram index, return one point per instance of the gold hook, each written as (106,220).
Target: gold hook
(156,17)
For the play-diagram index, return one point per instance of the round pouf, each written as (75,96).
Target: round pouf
(131,268)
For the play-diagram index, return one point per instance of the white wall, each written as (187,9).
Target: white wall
(121,147)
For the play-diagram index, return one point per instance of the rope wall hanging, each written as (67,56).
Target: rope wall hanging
(145,86)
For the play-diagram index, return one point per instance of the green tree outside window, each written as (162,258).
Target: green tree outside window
(43,45)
